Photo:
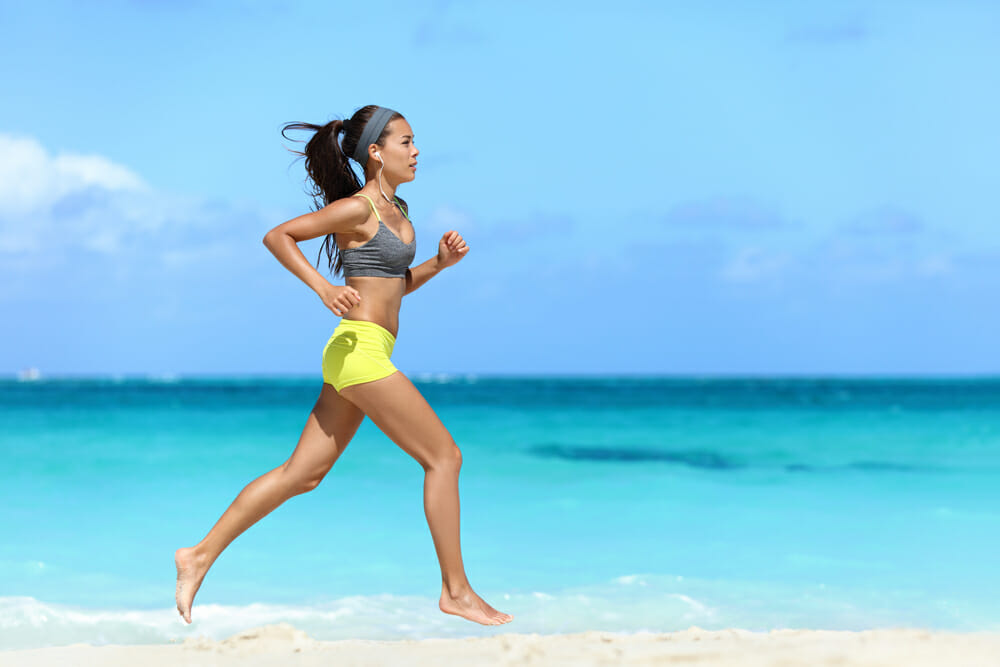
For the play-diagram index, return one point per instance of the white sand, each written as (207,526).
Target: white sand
(283,644)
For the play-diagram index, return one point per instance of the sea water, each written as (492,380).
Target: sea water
(621,504)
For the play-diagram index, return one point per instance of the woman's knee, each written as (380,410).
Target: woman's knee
(449,456)
(304,481)
(310,483)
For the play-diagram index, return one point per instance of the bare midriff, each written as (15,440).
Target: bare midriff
(380,301)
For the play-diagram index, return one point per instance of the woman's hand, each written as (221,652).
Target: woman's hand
(451,249)
(339,298)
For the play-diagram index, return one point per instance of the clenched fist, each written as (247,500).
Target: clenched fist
(339,298)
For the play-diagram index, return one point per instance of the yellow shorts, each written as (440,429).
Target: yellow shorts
(358,351)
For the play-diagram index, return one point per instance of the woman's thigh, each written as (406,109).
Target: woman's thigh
(401,412)
(332,423)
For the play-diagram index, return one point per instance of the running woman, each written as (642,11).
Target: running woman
(368,230)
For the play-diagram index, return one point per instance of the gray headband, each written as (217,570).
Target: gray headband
(373,128)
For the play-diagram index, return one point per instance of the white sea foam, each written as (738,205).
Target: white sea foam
(627,604)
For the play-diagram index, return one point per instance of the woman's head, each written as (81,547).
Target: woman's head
(394,154)
(390,150)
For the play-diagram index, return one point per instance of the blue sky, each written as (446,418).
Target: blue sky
(669,188)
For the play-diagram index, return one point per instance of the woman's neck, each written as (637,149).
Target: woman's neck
(388,189)
(380,182)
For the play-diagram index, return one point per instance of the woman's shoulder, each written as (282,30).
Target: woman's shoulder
(347,214)
(341,216)
(354,205)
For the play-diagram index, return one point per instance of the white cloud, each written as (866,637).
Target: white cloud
(31,179)
(445,217)
(753,264)
(187,257)
(735,212)
(887,221)
(935,265)
(53,203)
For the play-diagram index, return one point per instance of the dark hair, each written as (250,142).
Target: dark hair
(327,166)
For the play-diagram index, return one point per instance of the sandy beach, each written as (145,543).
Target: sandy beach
(282,644)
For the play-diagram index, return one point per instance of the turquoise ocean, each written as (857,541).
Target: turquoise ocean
(621,504)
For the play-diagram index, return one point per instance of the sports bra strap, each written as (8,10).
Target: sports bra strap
(372,204)
(400,207)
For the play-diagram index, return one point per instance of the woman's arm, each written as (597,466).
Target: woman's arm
(418,275)
(451,248)
(343,215)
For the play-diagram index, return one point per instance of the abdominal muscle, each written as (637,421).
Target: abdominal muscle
(380,301)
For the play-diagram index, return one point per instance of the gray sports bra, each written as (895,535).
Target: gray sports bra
(384,255)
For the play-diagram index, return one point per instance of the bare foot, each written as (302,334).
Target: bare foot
(190,572)
(471,606)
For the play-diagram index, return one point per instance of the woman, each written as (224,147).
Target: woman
(368,233)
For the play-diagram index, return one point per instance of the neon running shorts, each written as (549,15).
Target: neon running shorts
(358,351)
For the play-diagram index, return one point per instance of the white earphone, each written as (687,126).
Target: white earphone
(379,156)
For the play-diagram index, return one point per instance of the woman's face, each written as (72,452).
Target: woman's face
(399,152)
